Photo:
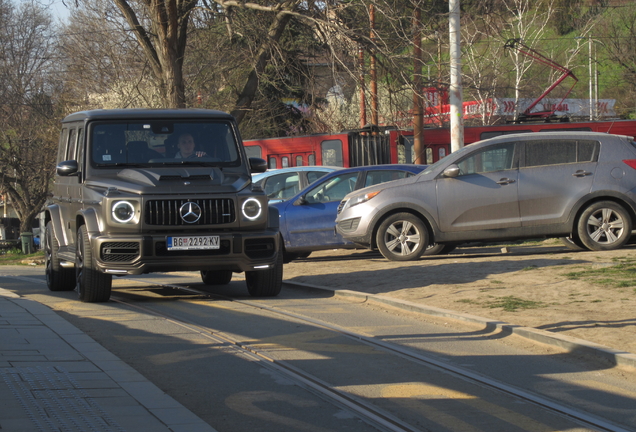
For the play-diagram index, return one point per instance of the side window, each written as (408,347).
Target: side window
(555,152)
(497,158)
(312,176)
(282,186)
(332,153)
(333,189)
(72,139)
(253,151)
(80,147)
(61,154)
(377,177)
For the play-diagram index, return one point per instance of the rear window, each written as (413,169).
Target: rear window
(555,152)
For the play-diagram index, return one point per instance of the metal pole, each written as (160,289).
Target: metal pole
(589,40)
(418,142)
(595,86)
(456,99)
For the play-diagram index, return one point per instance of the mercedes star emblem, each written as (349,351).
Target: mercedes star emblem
(190,212)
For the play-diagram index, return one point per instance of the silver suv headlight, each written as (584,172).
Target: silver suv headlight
(123,211)
(354,201)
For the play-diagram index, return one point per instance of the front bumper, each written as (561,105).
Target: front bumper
(134,254)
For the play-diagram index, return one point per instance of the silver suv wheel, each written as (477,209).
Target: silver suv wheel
(604,225)
(402,237)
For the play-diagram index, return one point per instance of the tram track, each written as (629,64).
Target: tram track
(368,412)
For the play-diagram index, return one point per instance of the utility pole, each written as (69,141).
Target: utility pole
(589,42)
(418,141)
(456,99)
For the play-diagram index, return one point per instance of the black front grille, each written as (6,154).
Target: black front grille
(166,212)
(119,251)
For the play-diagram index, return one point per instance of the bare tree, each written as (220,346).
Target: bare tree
(27,118)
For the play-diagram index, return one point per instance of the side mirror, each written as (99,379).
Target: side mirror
(451,171)
(258,165)
(67,168)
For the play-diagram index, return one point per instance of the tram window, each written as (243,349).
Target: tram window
(299,161)
(408,155)
(332,153)
(311,160)
(429,155)
(272,163)
(441,152)
(253,151)
(284,162)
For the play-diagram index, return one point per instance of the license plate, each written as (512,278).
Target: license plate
(192,242)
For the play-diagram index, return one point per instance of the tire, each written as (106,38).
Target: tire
(402,237)
(216,277)
(439,249)
(93,286)
(604,225)
(58,278)
(289,257)
(266,283)
(573,243)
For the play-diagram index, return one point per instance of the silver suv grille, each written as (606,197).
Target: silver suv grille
(166,212)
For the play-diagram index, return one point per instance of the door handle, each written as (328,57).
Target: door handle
(505,181)
(581,173)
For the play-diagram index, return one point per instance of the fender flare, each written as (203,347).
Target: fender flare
(52,214)
(89,218)
(603,195)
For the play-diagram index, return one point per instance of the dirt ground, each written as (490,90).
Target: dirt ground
(588,295)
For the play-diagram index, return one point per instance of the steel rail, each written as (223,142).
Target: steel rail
(544,402)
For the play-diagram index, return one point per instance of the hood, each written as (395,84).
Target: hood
(174,180)
(383,186)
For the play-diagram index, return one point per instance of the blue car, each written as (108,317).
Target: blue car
(307,219)
(280,184)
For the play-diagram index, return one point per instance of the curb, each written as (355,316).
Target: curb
(574,345)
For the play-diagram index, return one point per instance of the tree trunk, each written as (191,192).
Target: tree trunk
(246,97)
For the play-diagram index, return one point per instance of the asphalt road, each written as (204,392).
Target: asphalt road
(190,344)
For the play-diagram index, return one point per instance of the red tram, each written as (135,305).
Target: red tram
(357,148)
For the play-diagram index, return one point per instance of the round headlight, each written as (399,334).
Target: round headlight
(252,208)
(123,211)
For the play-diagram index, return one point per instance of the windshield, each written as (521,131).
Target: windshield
(201,142)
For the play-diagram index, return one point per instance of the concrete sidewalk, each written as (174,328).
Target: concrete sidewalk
(56,378)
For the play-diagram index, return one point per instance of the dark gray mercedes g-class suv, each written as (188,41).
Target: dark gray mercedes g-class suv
(140,191)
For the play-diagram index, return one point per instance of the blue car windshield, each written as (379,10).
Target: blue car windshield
(201,143)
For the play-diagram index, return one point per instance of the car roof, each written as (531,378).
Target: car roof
(146,114)
(551,134)
(274,171)
(407,167)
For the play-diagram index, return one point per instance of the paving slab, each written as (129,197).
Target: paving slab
(54,377)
